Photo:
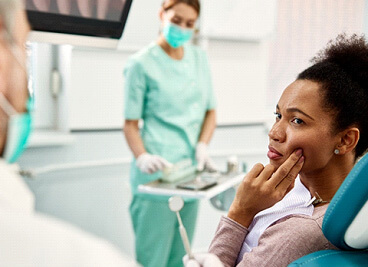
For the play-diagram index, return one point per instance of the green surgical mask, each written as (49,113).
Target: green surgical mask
(175,35)
(19,130)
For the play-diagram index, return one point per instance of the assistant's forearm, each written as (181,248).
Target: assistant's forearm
(208,127)
(134,140)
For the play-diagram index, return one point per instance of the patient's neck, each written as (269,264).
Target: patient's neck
(327,181)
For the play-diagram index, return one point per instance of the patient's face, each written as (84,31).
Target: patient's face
(301,122)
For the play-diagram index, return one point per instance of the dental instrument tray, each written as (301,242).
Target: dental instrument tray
(201,185)
(196,184)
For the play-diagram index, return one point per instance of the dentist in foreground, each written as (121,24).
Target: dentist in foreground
(168,86)
(28,238)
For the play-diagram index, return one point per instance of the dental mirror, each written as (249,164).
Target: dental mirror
(176,203)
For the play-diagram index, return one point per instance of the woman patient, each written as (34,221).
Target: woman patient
(319,133)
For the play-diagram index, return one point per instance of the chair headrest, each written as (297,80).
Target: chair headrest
(346,220)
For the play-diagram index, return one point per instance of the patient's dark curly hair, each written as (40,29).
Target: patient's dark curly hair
(342,71)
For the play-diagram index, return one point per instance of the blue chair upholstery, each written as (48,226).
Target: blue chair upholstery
(345,223)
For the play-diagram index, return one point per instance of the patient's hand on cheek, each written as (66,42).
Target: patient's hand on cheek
(263,187)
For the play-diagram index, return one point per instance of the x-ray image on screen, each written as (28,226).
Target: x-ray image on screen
(109,10)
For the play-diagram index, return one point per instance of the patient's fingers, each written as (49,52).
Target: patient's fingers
(290,178)
(267,172)
(284,171)
(256,170)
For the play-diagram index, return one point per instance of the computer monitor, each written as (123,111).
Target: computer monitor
(77,21)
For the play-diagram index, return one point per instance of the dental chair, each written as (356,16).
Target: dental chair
(345,224)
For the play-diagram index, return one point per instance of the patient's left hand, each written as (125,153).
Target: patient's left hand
(264,186)
(202,260)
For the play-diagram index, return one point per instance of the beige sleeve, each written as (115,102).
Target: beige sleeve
(228,241)
(287,241)
(280,244)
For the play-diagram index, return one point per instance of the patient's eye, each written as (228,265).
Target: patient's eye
(277,115)
(297,121)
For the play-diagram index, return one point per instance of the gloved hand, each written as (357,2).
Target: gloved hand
(149,163)
(203,159)
(202,260)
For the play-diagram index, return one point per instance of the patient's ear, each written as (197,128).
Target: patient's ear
(349,140)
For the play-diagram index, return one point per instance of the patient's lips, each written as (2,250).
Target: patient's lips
(273,153)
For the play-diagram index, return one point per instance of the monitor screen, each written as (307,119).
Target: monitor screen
(99,18)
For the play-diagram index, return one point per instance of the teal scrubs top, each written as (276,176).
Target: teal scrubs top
(172,97)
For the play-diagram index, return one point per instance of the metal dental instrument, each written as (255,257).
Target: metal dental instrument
(176,203)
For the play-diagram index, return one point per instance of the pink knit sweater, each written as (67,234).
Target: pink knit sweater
(281,243)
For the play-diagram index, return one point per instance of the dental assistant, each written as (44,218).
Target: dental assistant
(168,86)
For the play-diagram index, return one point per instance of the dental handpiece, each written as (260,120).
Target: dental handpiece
(176,203)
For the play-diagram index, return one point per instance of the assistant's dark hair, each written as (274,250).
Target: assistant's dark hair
(167,4)
(342,71)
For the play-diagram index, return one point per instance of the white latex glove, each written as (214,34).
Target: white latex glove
(149,163)
(203,159)
(202,260)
